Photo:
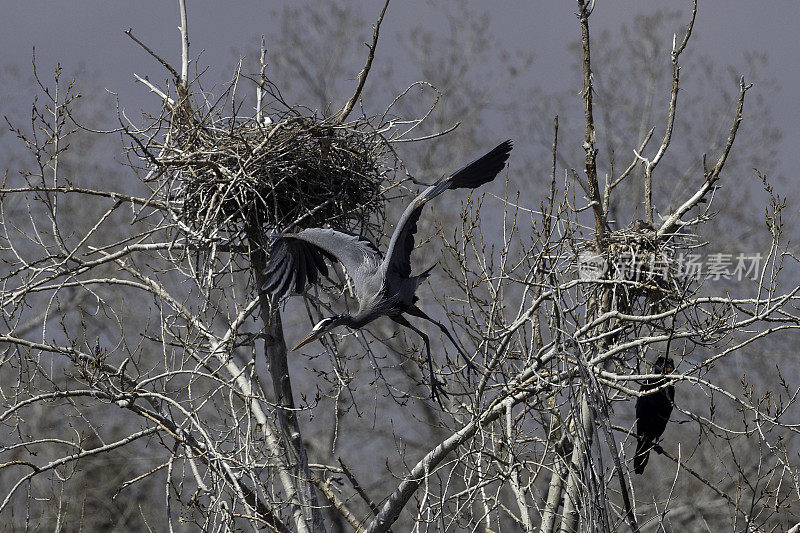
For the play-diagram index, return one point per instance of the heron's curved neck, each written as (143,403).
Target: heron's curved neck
(353,322)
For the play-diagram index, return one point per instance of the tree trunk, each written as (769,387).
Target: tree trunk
(276,355)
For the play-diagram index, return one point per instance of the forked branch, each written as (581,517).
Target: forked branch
(710,176)
(673,101)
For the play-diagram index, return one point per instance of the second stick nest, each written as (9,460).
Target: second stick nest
(643,265)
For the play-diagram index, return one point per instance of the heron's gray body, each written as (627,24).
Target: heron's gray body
(376,292)
(384,286)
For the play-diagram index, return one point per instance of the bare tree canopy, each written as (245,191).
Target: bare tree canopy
(621,337)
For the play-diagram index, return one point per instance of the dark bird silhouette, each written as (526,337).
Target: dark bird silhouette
(652,413)
(383,284)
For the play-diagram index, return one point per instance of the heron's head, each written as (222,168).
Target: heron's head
(664,365)
(322,327)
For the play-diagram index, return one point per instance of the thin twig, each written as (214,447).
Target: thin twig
(362,76)
(184,43)
(129,33)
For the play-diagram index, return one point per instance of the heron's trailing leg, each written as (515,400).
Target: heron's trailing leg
(436,385)
(416,311)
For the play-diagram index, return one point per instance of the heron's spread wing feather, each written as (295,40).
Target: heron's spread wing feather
(279,280)
(475,174)
(297,259)
(482,170)
(300,271)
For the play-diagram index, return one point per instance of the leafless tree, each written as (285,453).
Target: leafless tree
(135,327)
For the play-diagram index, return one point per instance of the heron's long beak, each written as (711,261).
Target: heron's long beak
(309,338)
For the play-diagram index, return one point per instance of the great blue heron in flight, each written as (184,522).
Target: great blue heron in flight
(652,413)
(383,284)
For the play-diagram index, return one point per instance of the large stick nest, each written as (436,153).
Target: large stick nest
(230,176)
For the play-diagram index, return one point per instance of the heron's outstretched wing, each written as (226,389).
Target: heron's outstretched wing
(475,174)
(297,259)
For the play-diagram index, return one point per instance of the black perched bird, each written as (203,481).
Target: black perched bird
(384,285)
(652,412)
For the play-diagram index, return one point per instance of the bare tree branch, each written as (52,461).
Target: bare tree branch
(362,76)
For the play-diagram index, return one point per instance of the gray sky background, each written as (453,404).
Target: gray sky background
(89,34)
